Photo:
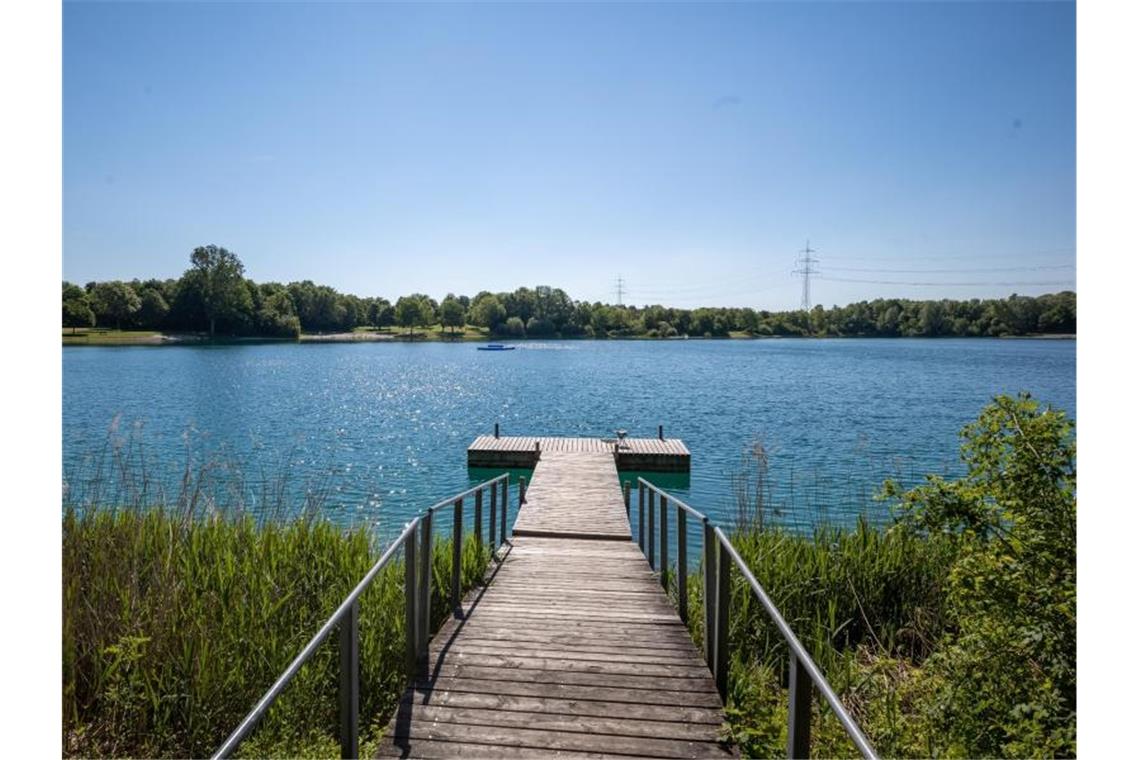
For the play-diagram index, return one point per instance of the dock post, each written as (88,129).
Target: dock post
(661,432)
(349,691)
(478,532)
(494,507)
(457,557)
(503,512)
(641,515)
(664,505)
(625,497)
(496,430)
(723,566)
(710,593)
(682,566)
(649,533)
(522,490)
(423,623)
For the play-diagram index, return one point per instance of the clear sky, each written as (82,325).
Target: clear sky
(927,150)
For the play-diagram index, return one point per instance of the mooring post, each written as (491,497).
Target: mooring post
(494,507)
(710,593)
(641,515)
(349,687)
(663,502)
(723,566)
(682,566)
(799,708)
(496,430)
(661,432)
(423,622)
(457,557)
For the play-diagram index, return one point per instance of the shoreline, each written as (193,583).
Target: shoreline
(193,339)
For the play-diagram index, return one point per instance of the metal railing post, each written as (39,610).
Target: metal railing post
(641,516)
(349,687)
(423,608)
(494,508)
(710,593)
(503,512)
(457,557)
(411,613)
(682,566)
(799,708)
(625,498)
(723,567)
(478,527)
(522,490)
(663,503)
(649,530)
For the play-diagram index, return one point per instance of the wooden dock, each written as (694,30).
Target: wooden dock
(524,451)
(572,647)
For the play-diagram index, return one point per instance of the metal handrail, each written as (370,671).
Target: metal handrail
(346,615)
(802,670)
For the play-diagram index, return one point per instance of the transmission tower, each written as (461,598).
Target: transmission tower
(805,265)
(620,290)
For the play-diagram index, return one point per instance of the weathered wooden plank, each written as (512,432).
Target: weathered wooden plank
(654,714)
(573,691)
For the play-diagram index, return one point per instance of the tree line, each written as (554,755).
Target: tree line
(214,296)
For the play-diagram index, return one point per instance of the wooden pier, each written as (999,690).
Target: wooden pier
(643,454)
(571,648)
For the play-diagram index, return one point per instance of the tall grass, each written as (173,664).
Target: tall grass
(179,614)
(868,602)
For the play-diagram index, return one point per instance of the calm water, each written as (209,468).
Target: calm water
(374,432)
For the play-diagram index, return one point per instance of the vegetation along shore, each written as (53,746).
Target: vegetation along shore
(214,300)
(950,632)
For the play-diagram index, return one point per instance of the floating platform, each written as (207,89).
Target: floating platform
(524,451)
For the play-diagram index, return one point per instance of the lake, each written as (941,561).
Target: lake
(373,432)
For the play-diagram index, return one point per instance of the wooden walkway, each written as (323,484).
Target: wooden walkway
(571,648)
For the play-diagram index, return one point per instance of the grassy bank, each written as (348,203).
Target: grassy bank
(174,627)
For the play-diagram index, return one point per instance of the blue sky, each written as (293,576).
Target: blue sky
(690,150)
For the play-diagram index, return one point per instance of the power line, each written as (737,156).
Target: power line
(952,271)
(1042,283)
(806,266)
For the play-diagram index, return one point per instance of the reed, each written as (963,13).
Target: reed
(174,626)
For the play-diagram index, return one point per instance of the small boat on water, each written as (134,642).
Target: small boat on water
(494,347)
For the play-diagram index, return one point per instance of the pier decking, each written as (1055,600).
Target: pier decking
(644,454)
(572,647)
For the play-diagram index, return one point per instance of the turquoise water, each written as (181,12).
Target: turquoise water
(375,432)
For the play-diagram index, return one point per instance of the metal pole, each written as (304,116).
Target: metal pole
(349,687)
(494,507)
(479,519)
(503,513)
(661,432)
(522,490)
(411,614)
(799,708)
(710,594)
(456,556)
(663,503)
(496,430)
(682,566)
(723,566)
(423,629)
(641,516)
(625,497)
(650,535)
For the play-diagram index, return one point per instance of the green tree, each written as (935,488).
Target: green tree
(451,313)
(487,311)
(221,277)
(414,310)
(153,310)
(114,301)
(77,313)
(1006,680)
